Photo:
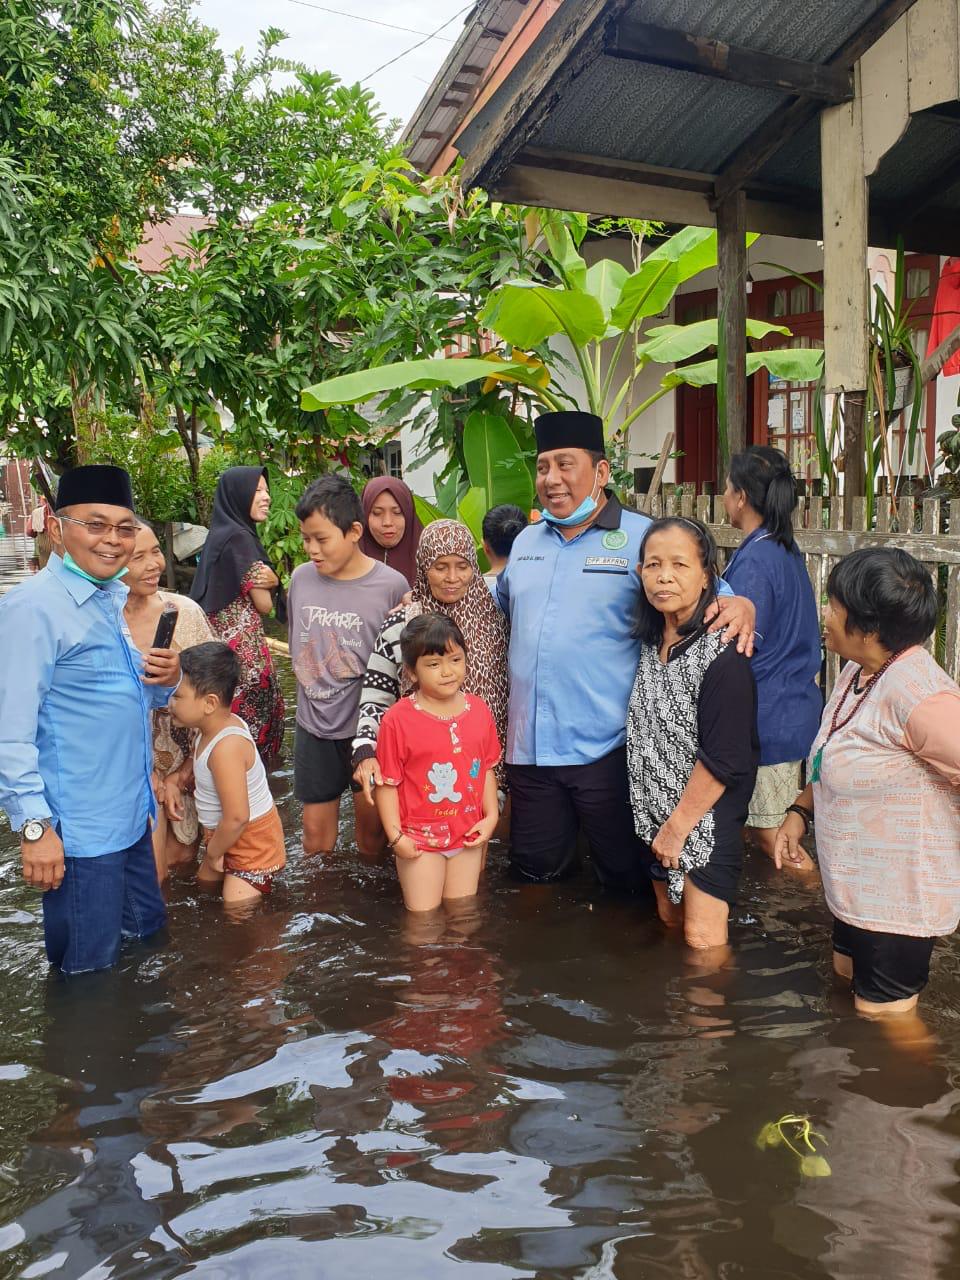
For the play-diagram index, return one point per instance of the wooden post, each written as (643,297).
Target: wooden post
(657,478)
(168,556)
(732,331)
(845,296)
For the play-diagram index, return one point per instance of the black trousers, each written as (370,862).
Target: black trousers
(549,804)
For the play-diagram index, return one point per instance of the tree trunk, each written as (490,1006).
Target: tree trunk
(187,431)
(168,555)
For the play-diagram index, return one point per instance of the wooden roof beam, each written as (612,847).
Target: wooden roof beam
(750,158)
(570,42)
(664,47)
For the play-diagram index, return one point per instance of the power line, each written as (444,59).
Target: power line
(413,47)
(342,13)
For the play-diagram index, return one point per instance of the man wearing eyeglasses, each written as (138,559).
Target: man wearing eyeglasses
(75,741)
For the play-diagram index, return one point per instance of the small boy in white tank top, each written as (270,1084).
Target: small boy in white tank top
(244,837)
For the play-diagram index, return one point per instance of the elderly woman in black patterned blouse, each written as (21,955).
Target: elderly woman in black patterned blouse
(692,746)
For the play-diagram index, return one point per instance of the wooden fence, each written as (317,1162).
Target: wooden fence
(929,530)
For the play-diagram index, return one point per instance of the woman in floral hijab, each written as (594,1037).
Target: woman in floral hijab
(448,581)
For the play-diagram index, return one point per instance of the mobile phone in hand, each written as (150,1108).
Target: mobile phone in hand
(166,627)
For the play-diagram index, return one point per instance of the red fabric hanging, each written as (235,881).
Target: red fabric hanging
(946,312)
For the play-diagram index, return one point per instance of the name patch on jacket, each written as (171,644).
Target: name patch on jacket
(606,564)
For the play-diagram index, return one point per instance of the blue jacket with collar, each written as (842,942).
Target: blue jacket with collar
(573,655)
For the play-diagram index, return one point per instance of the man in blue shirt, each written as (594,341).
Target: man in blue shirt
(570,590)
(75,739)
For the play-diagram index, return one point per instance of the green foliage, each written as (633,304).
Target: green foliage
(891,348)
(280,532)
(600,311)
(150,451)
(496,470)
(948,442)
(412,375)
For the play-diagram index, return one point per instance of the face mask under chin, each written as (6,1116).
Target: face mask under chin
(583,512)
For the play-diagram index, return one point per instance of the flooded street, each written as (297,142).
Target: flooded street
(541,1084)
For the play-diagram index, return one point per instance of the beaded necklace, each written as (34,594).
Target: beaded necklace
(836,723)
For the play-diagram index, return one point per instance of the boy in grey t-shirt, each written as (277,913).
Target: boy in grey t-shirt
(335,607)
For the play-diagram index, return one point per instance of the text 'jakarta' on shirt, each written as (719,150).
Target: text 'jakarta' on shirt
(786,661)
(333,625)
(75,735)
(573,655)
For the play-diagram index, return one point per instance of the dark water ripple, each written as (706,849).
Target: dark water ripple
(540,1084)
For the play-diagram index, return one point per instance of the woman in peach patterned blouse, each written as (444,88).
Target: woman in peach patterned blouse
(884,782)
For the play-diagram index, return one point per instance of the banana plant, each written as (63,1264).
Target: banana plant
(602,311)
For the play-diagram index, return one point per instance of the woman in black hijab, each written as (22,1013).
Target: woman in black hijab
(235,585)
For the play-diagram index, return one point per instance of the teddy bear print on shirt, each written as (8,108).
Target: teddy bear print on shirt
(444,780)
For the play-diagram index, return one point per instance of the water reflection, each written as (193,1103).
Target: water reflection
(537,1084)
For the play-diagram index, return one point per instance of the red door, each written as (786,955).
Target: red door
(697,432)
(697,435)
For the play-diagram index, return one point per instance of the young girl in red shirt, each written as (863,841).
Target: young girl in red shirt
(436,750)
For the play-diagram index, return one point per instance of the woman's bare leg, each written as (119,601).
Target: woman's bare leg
(705,918)
(670,913)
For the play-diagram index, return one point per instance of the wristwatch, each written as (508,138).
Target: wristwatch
(33,829)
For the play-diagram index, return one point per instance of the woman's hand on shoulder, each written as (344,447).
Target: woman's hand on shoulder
(736,616)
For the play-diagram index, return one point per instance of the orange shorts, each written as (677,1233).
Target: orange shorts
(259,853)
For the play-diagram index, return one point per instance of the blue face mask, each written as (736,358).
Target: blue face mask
(71,564)
(585,510)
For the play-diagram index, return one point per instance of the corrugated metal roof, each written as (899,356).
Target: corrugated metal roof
(455,85)
(567,99)
(808,30)
(617,108)
(796,165)
(929,146)
(642,113)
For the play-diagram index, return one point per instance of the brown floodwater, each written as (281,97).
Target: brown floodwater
(539,1084)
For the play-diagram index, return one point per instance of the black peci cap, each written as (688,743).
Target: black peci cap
(569,429)
(109,485)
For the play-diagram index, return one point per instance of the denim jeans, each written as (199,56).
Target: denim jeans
(100,901)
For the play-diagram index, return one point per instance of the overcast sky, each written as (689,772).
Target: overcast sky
(350,48)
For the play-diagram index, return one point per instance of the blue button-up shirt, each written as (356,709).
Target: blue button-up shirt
(75,735)
(573,655)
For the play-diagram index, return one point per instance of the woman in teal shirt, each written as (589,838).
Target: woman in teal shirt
(767,568)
